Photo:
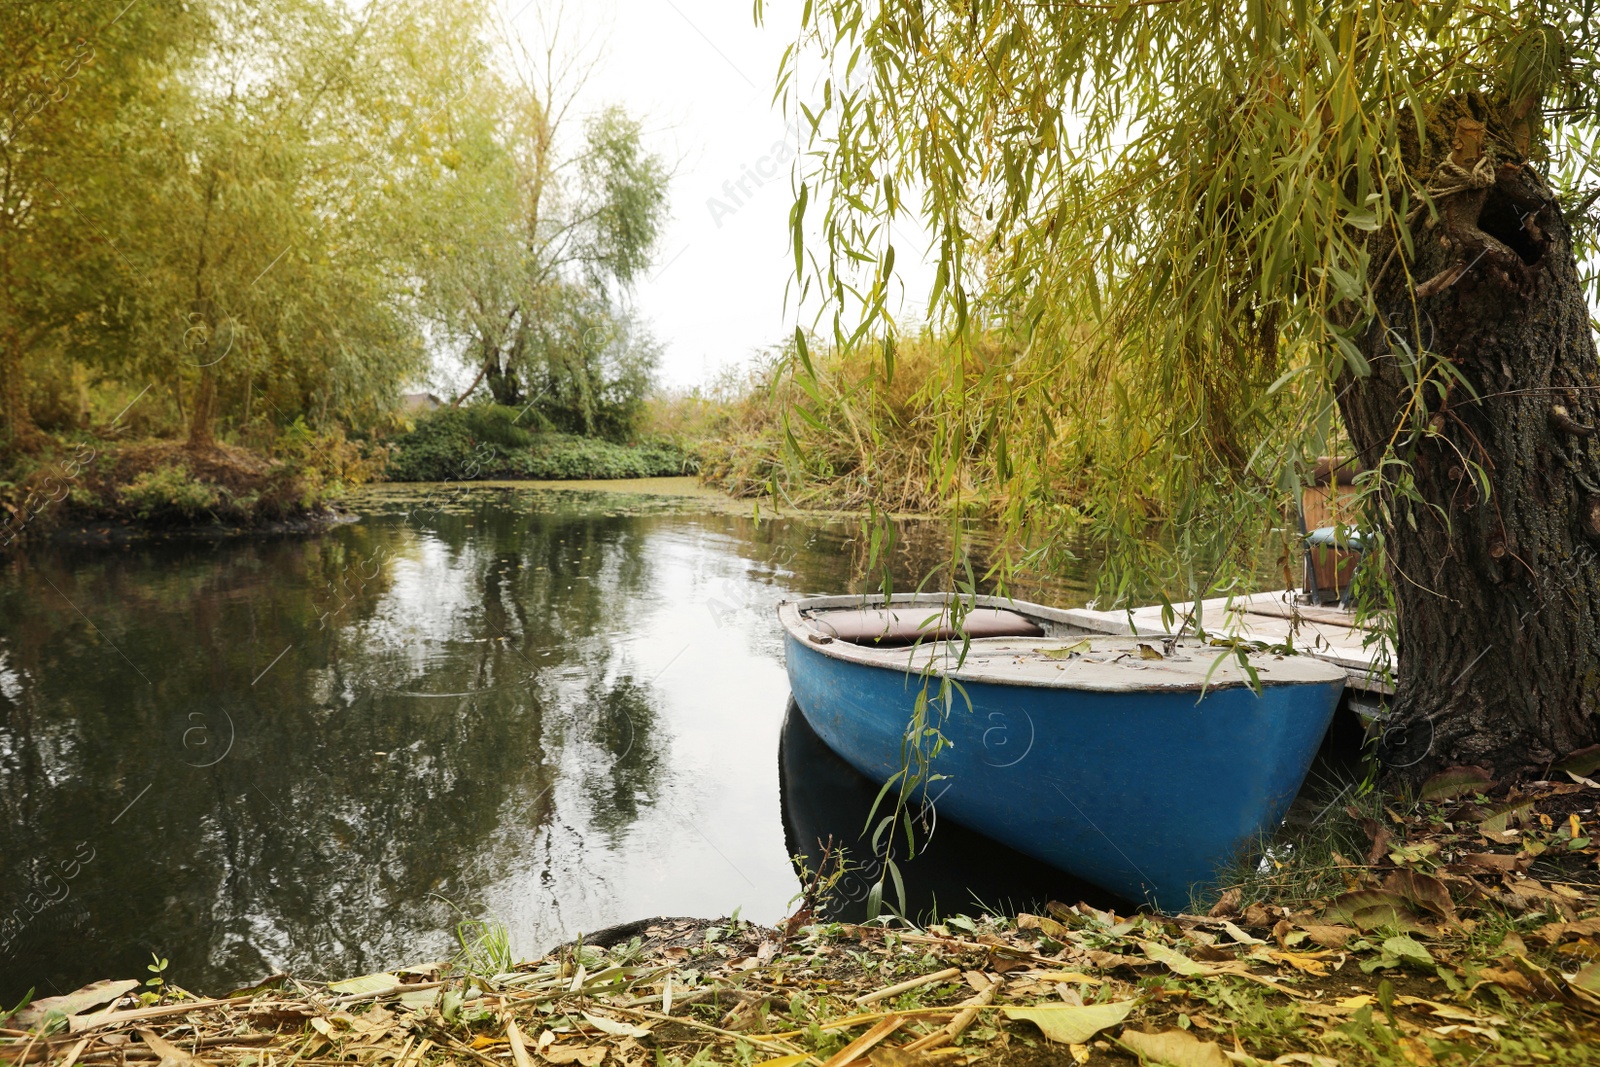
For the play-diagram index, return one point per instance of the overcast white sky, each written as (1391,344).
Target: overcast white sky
(700,74)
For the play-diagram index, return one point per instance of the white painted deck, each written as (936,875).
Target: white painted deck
(1275,618)
(1328,633)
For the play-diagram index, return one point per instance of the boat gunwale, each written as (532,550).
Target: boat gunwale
(793,616)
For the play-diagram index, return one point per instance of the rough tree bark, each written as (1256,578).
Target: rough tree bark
(1497,585)
(201,434)
(18,431)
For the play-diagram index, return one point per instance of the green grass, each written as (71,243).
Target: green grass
(484,442)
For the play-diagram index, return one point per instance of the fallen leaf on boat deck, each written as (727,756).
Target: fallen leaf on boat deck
(1070,1023)
(1148,652)
(1176,1047)
(1069,651)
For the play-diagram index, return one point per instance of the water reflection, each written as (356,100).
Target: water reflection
(827,803)
(303,753)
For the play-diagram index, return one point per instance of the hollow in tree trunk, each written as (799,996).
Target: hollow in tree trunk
(1495,555)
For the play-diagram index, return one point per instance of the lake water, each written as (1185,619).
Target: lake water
(562,708)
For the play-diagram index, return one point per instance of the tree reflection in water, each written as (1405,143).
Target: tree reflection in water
(257,754)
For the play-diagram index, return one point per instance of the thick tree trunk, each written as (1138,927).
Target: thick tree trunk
(17,428)
(504,387)
(201,436)
(1497,583)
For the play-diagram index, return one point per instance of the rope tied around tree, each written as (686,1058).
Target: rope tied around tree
(1450,177)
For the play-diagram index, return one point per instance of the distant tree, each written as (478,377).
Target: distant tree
(269,282)
(534,287)
(1225,235)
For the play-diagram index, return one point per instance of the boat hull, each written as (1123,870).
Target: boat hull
(1147,794)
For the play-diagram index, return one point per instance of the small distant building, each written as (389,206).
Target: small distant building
(417,403)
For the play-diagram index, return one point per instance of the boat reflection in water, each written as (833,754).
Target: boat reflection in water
(956,870)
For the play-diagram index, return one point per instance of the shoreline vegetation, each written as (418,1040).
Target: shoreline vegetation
(1460,928)
(90,487)
(736,435)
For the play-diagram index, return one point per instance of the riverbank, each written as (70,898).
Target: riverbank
(96,490)
(1462,930)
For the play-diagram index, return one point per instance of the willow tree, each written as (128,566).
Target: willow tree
(546,221)
(1237,234)
(67,76)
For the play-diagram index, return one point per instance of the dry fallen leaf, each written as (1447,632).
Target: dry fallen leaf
(1179,1048)
(1416,1052)
(171,1055)
(1308,962)
(1070,1024)
(75,1003)
(1329,936)
(1226,905)
(1510,981)
(1240,936)
(519,1051)
(899,1057)
(615,1027)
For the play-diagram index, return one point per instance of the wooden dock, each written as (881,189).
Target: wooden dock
(1326,632)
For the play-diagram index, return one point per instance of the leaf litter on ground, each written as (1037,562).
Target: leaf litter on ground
(1471,935)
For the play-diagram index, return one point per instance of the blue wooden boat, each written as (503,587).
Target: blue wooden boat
(1113,757)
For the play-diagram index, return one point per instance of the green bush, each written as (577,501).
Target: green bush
(170,492)
(483,442)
